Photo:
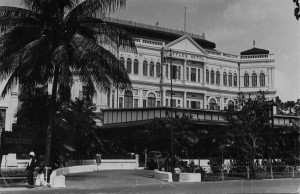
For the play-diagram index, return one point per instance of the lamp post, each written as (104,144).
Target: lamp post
(172,131)
(271,104)
(171,110)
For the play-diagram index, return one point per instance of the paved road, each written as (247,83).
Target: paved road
(141,181)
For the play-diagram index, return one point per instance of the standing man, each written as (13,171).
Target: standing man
(40,172)
(30,168)
(146,156)
(98,161)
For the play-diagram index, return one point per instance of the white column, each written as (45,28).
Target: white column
(204,101)
(140,97)
(273,78)
(221,77)
(269,78)
(196,75)
(163,97)
(204,75)
(162,68)
(140,73)
(250,79)
(184,70)
(184,100)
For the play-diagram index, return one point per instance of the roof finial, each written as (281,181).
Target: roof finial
(253,43)
(156,23)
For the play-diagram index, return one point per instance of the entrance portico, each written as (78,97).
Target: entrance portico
(188,64)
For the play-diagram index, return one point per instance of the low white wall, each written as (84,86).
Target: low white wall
(189,177)
(57,176)
(108,164)
(164,176)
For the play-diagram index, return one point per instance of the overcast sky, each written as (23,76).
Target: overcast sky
(232,25)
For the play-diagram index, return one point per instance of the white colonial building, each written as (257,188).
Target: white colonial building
(203,77)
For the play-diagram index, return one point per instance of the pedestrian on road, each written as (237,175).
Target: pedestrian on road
(31,167)
(40,173)
(98,162)
(146,156)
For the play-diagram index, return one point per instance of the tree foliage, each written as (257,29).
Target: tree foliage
(74,125)
(51,39)
(185,134)
(290,108)
(32,116)
(249,125)
(77,122)
(297,9)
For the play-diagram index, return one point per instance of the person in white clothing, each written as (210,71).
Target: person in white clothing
(40,173)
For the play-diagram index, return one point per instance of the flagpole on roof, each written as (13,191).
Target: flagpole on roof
(184,19)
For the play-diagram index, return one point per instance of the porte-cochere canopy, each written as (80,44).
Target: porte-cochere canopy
(137,116)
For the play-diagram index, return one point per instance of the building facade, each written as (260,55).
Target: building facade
(203,77)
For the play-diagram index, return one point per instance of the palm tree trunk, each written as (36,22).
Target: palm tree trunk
(51,116)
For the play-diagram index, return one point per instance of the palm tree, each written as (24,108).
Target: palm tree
(49,40)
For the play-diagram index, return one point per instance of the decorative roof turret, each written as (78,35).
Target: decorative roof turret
(255,51)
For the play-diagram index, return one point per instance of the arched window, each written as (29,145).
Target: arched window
(230,104)
(157,69)
(151,69)
(212,104)
(136,66)
(225,79)
(254,79)
(122,60)
(145,68)
(262,79)
(212,77)
(230,79)
(128,100)
(207,76)
(128,65)
(235,80)
(151,100)
(246,80)
(218,77)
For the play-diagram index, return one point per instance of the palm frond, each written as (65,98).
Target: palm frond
(7,23)
(28,65)
(38,5)
(89,71)
(94,9)
(62,57)
(87,32)
(13,16)
(11,81)
(15,40)
(107,63)
(49,8)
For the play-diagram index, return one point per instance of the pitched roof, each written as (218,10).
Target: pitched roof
(255,51)
(156,32)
